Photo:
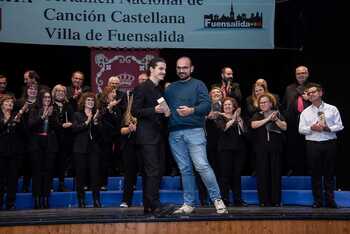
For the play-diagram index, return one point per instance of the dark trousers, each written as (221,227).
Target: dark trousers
(63,158)
(132,164)
(8,177)
(106,160)
(295,152)
(231,164)
(87,167)
(153,163)
(268,176)
(25,170)
(321,159)
(42,168)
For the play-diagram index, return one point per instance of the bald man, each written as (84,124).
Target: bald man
(189,103)
(295,101)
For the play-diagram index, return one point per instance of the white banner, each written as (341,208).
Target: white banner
(220,24)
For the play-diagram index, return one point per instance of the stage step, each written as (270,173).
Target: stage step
(296,191)
(174,183)
(114,198)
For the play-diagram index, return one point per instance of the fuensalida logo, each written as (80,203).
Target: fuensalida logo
(219,20)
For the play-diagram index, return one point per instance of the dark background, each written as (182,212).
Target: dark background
(309,32)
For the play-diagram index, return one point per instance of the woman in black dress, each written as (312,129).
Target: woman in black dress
(110,121)
(130,154)
(43,147)
(231,150)
(11,147)
(86,148)
(268,126)
(63,111)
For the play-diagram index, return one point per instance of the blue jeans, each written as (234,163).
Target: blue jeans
(189,148)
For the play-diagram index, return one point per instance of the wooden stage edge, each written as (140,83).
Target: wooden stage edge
(284,220)
(200,227)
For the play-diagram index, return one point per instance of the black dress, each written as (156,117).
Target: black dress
(11,147)
(231,157)
(268,146)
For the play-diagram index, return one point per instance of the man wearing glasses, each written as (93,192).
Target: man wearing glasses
(319,123)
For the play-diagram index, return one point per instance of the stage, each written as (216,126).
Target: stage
(295,216)
(251,219)
(135,214)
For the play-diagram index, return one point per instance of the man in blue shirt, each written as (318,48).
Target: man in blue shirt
(189,103)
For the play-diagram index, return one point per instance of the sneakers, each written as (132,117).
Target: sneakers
(220,207)
(184,209)
(124,205)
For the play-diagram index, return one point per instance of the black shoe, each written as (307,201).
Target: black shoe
(97,203)
(61,188)
(81,203)
(290,172)
(10,206)
(147,211)
(174,172)
(262,204)
(45,202)
(1,201)
(253,173)
(25,189)
(96,199)
(316,205)
(332,204)
(240,203)
(81,200)
(37,202)
(159,211)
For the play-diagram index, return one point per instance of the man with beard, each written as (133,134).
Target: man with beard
(3,85)
(189,103)
(77,87)
(228,87)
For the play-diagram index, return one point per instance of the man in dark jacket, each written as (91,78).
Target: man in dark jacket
(150,132)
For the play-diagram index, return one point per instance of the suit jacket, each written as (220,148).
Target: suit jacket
(11,137)
(150,125)
(35,125)
(72,101)
(85,136)
(64,135)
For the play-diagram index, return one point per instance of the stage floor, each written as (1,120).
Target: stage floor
(135,214)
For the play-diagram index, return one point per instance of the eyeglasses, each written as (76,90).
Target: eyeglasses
(311,92)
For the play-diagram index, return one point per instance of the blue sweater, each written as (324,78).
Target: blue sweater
(191,93)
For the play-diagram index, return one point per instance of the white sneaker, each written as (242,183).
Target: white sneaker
(220,207)
(184,209)
(124,205)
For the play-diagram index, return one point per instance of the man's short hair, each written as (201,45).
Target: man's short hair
(312,84)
